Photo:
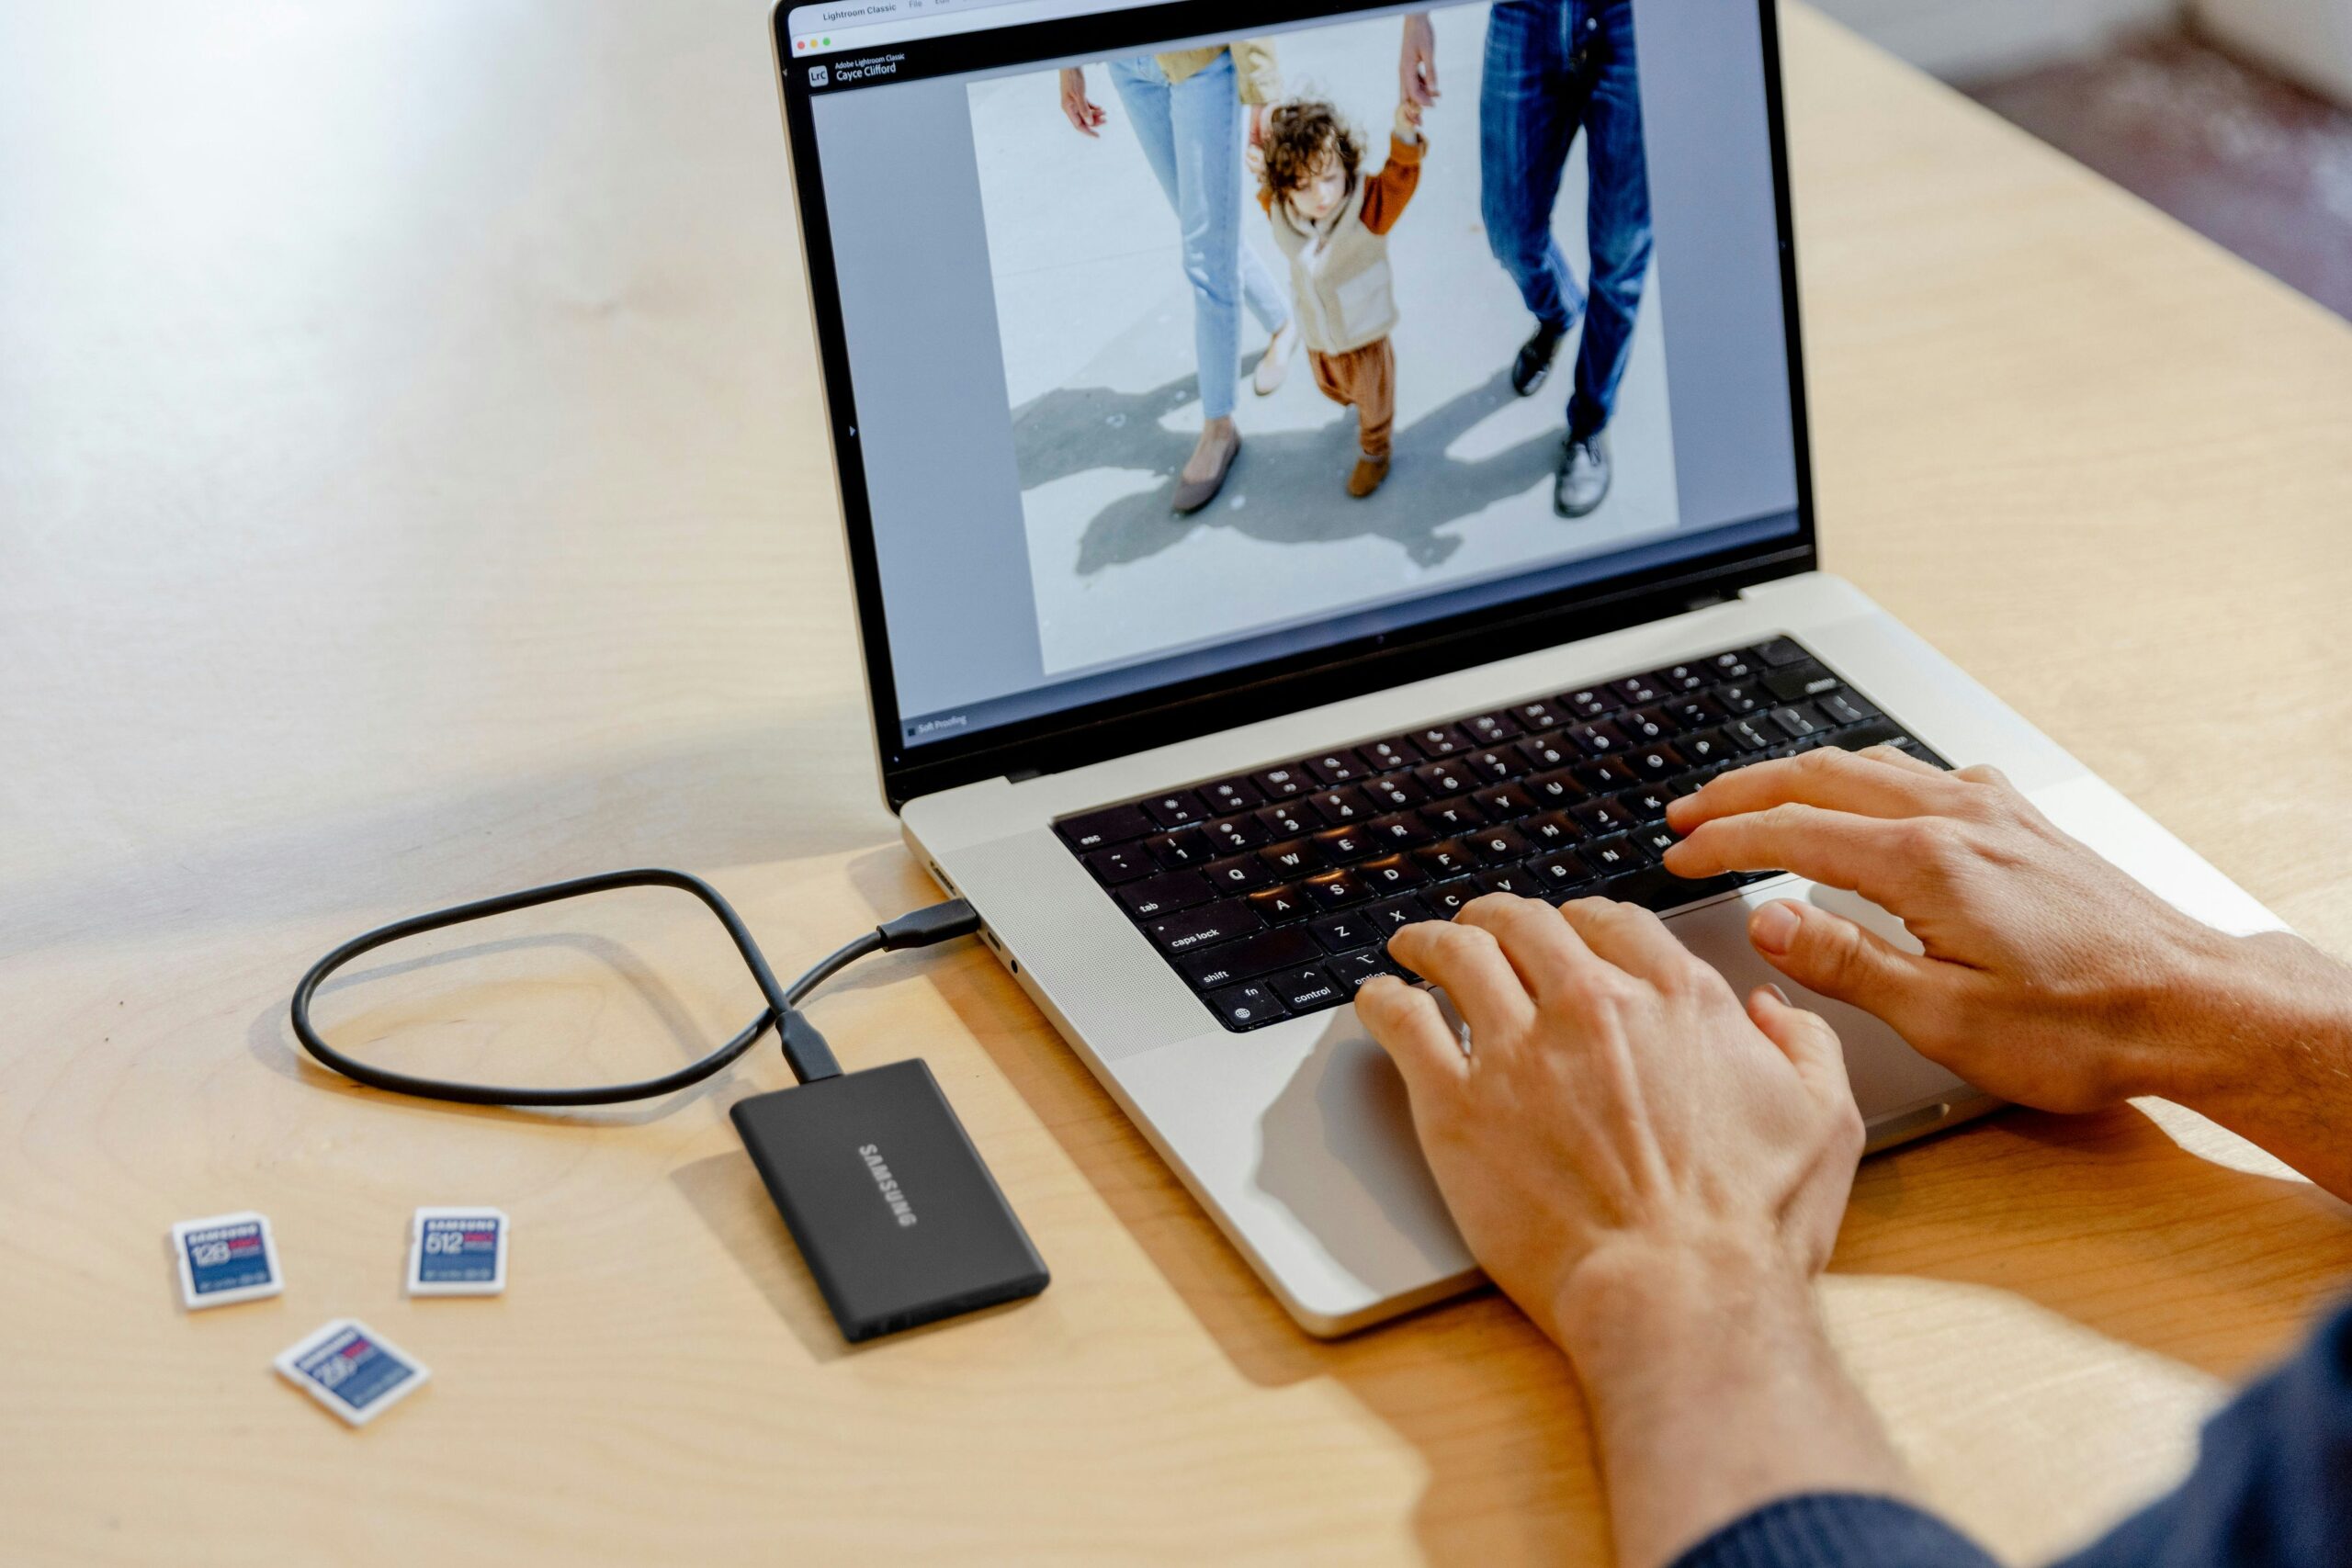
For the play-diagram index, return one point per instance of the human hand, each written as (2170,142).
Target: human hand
(1253,158)
(1618,1106)
(1417,62)
(1084,115)
(2050,977)
(1408,121)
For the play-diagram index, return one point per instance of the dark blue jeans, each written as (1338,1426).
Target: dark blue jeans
(1555,67)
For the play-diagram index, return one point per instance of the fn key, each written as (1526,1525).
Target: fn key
(1246,1007)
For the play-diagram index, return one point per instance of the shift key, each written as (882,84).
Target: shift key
(1285,947)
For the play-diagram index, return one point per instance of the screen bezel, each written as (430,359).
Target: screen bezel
(1182,710)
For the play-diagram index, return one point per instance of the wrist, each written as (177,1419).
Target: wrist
(2236,1005)
(1637,1308)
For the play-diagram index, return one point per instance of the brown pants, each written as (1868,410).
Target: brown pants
(1365,379)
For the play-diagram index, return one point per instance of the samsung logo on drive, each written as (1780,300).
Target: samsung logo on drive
(888,1183)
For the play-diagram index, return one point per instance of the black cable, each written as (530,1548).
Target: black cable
(805,1050)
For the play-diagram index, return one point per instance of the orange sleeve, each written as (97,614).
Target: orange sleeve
(1266,197)
(1387,193)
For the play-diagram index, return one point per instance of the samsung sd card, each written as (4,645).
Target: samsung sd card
(456,1252)
(353,1371)
(229,1258)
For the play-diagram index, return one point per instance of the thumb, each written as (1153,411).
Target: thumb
(1805,1038)
(1831,954)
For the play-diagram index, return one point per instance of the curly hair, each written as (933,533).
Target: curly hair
(1299,136)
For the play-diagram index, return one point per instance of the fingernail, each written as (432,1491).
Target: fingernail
(1774,928)
(1779,993)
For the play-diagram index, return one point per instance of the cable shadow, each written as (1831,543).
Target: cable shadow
(1285,487)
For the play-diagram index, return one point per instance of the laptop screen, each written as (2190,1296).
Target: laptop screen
(1169,345)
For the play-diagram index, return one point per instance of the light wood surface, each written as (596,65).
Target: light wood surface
(412,485)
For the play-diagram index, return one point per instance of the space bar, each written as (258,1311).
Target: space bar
(1287,947)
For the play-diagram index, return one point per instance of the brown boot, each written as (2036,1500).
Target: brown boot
(1369,472)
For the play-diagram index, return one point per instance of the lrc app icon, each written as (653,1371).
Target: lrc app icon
(819,76)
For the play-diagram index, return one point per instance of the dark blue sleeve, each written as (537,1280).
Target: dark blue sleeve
(2272,1489)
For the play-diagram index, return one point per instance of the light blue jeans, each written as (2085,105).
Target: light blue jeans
(1192,136)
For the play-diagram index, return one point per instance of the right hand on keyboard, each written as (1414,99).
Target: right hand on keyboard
(2050,977)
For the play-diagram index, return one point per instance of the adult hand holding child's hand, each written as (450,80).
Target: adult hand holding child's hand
(1085,116)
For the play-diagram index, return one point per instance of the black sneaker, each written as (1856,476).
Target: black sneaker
(1533,365)
(1583,481)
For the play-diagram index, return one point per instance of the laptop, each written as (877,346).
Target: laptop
(1118,306)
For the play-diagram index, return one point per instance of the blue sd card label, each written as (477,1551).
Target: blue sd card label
(229,1258)
(352,1370)
(456,1252)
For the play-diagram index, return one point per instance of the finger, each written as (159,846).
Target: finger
(1863,854)
(1404,1022)
(1804,1038)
(1833,780)
(1470,964)
(1543,949)
(1831,954)
(1631,938)
(1901,759)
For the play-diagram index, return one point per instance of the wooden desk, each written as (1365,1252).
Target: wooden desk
(412,485)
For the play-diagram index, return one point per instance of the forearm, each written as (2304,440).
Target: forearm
(2261,1042)
(1713,1390)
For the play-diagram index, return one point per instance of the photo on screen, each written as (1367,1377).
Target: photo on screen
(1142,272)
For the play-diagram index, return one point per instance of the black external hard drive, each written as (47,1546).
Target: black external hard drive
(897,1217)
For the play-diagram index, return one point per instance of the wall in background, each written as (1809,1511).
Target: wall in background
(1963,38)
(2306,41)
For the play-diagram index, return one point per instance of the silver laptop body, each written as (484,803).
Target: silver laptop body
(1295,1136)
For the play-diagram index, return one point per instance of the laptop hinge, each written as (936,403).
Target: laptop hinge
(1704,600)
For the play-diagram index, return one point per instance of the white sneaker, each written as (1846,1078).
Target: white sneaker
(1273,366)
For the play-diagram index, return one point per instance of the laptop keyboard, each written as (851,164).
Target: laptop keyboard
(1272,893)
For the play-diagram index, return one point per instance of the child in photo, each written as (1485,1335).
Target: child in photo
(1332,223)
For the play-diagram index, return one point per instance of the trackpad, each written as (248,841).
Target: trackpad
(1887,1074)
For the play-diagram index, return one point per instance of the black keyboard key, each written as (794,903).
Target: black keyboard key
(1490,728)
(1639,691)
(1240,874)
(1513,879)
(1452,815)
(1493,845)
(1340,845)
(1399,832)
(1280,905)
(1098,829)
(1799,681)
(1748,736)
(1541,715)
(1597,740)
(1553,831)
(1445,858)
(1658,837)
(1649,726)
(1336,767)
(1387,756)
(1292,859)
(1247,1007)
(1285,782)
(1845,707)
(1393,792)
(1603,775)
(1494,766)
(1683,678)
(1446,900)
(1799,720)
(1357,969)
(1707,747)
(1289,819)
(1164,894)
(1233,834)
(1559,788)
(1696,713)
(1589,703)
(1395,914)
(1443,741)
(1739,698)
(1647,805)
(1231,795)
(1731,667)
(1655,887)
(1390,874)
(1444,778)
(1559,875)
(1613,857)
(1203,927)
(1112,867)
(1346,933)
(1655,762)
(1778,652)
(1507,804)
(1187,847)
(1176,809)
(1878,732)
(1285,947)
(1551,751)
(1341,806)
(1601,816)
(1308,990)
(1336,889)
